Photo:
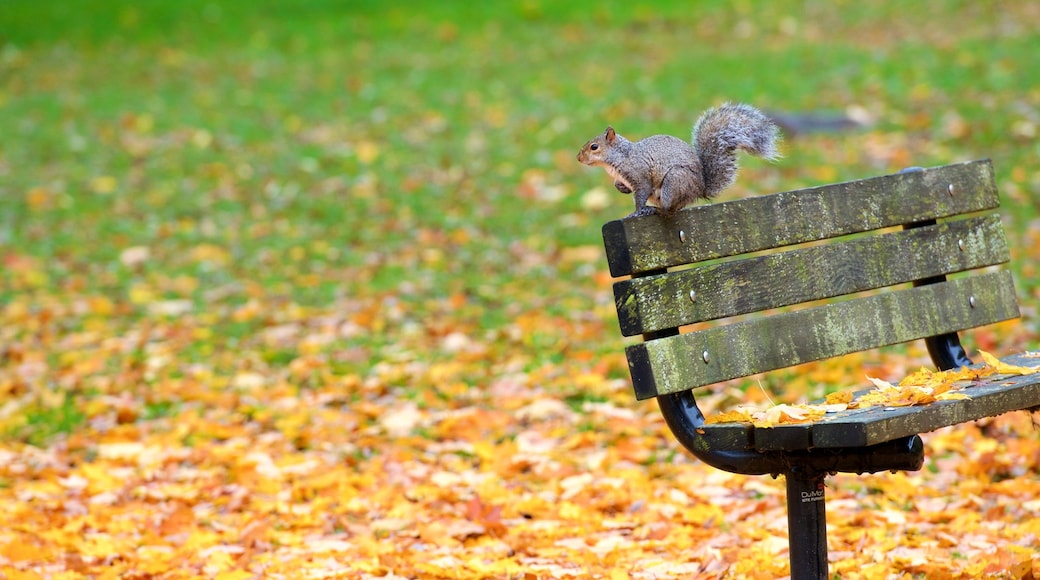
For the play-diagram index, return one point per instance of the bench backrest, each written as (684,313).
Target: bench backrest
(903,233)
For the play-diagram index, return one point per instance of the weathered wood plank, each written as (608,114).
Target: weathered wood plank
(732,288)
(686,361)
(769,221)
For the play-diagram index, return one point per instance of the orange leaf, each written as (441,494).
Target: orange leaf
(736,416)
(839,398)
(488,516)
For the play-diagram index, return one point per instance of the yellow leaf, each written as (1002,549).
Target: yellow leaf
(293,123)
(922,377)
(144,123)
(210,253)
(36,278)
(103,184)
(367,152)
(100,546)
(779,414)
(485,450)
(952,397)
(24,551)
(202,138)
(154,559)
(881,384)
(101,305)
(219,560)
(100,478)
(737,416)
(201,539)
(119,451)
(141,294)
(39,198)
(247,311)
(1004,368)
(839,398)
(968,374)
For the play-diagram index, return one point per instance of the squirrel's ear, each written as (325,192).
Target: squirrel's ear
(610,134)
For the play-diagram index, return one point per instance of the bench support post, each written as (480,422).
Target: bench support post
(807,524)
(804,471)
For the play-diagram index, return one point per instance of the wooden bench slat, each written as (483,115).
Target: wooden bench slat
(862,427)
(769,221)
(674,364)
(727,289)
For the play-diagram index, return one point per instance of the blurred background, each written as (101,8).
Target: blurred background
(334,222)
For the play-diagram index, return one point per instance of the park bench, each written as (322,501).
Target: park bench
(887,246)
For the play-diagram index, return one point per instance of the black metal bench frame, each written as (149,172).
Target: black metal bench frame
(942,232)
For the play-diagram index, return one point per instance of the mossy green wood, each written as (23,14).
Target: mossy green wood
(737,227)
(686,361)
(732,288)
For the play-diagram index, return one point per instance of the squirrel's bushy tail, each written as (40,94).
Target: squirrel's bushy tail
(721,131)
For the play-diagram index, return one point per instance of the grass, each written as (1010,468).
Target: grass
(415,162)
(46,420)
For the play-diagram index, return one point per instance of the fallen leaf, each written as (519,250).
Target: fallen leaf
(881,384)
(135,255)
(1003,368)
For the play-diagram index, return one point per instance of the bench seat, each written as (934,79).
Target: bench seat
(988,397)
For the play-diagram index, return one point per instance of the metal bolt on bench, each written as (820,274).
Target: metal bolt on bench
(855,251)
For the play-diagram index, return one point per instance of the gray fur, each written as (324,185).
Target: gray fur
(669,173)
(721,131)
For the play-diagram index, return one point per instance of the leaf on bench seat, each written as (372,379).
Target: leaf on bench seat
(929,378)
(781,414)
(738,415)
(882,385)
(919,388)
(840,398)
(1003,368)
(926,386)
(773,416)
(951,397)
(942,381)
(889,395)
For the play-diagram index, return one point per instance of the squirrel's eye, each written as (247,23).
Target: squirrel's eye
(594,146)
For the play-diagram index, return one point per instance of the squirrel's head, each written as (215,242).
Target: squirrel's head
(595,150)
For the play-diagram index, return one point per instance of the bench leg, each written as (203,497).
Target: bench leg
(807,524)
(804,470)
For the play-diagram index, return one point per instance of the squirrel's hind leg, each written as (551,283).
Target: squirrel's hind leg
(680,187)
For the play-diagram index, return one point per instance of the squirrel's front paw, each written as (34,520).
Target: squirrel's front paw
(645,210)
(620,186)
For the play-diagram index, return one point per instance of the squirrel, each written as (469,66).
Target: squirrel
(671,174)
